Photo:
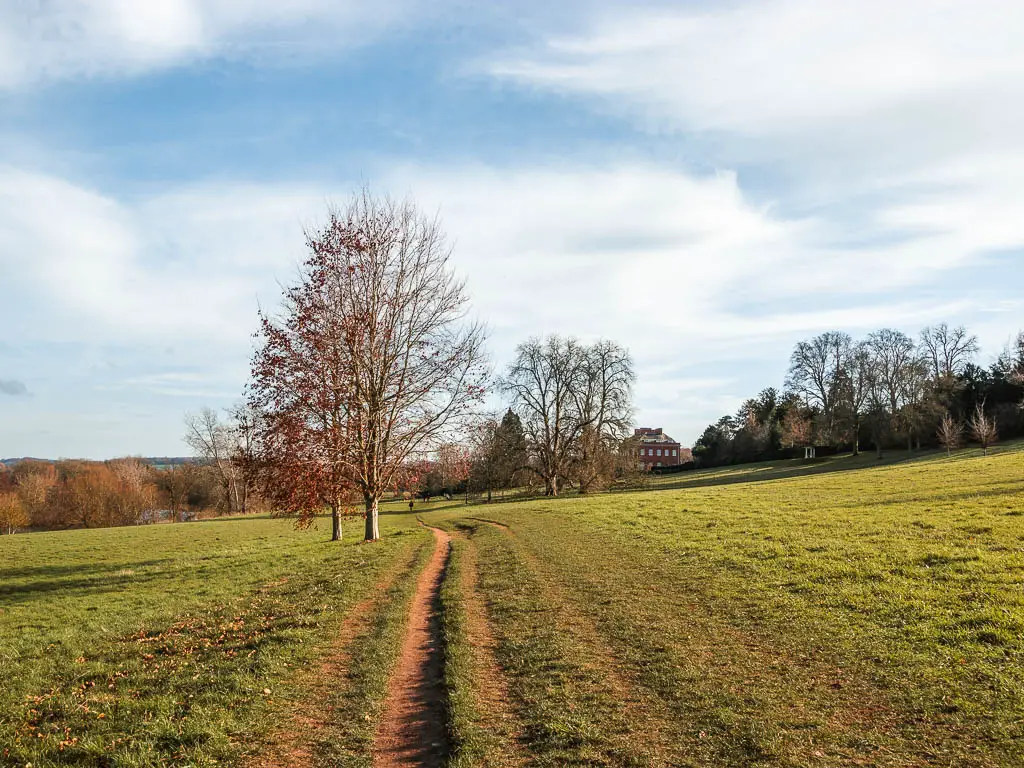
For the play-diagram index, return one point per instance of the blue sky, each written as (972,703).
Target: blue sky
(707,183)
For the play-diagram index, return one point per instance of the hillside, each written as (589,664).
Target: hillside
(833,614)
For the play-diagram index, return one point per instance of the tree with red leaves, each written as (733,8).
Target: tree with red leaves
(370,364)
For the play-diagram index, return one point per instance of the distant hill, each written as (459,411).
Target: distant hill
(12,462)
(156,461)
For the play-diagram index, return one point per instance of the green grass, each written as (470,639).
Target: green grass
(847,612)
(871,616)
(166,645)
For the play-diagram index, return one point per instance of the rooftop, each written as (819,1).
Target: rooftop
(652,435)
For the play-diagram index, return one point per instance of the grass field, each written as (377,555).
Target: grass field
(170,644)
(841,613)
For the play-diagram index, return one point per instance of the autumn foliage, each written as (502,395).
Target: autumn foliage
(369,364)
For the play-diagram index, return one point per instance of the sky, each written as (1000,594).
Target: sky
(706,183)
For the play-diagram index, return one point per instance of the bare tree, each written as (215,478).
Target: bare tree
(214,442)
(896,376)
(815,373)
(485,455)
(950,433)
(605,408)
(983,428)
(854,390)
(243,431)
(35,479)
(543,383)
(948,350)
(136,495)
(176,484)
(575,404)
(371,362)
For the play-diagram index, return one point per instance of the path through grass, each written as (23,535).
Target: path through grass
(865,615)
(874,616)
(171,644)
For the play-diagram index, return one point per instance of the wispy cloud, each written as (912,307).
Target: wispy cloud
(784,66)
(678,266)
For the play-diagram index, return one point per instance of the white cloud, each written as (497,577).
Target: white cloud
(782,65)
(832,94)
(681,268)
(80,265)
(98,38)
(651,253)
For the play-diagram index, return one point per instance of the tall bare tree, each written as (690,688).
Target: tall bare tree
(948,350)
(543,383)
(854,390)
(214,442)
(371,362)
(605,407)
(815,373)
(897,375)
(575,404)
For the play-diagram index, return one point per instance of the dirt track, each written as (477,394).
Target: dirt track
(412,732)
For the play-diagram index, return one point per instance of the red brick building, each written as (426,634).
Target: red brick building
(656,449)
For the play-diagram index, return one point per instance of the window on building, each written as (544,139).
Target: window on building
(675,452)
(659,451)
(650,451)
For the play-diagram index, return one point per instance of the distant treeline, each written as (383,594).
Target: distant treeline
(153,461)
(48,495)
(886,390)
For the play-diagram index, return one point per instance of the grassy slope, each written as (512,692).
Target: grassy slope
(873,616)
(841,613)
(159,645)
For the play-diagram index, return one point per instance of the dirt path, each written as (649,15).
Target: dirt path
(412,731)
(290,746)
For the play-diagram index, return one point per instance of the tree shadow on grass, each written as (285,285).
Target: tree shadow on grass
(73,580)
(61,571)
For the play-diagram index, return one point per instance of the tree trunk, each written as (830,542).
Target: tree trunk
(856,437)
(335,522)
(372,512)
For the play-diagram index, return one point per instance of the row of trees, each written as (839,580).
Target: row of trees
(371,376)
(492,456)
(887,388)
(90,494)
(568,424)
